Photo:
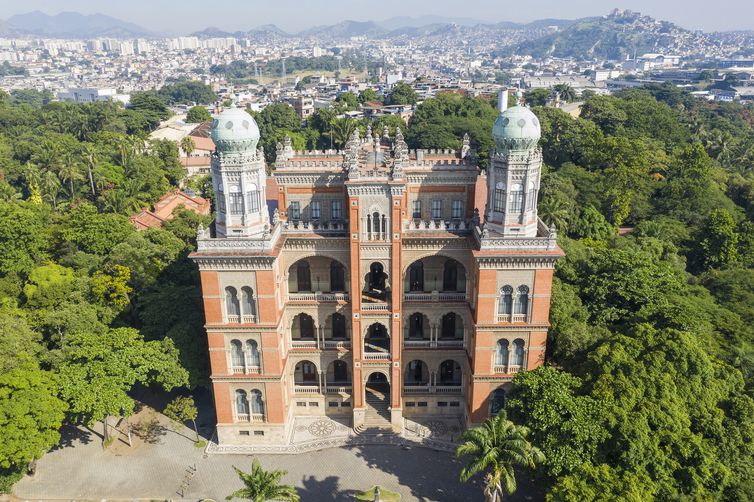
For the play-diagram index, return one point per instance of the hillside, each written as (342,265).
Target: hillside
(615,36)
(70,24)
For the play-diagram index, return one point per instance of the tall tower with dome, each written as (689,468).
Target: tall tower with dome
(374,295)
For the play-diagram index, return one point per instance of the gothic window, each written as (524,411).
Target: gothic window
(242,403)
(517,198)
(450,373)
(236,354)
(307,371)
(232,306)
(506,301)
(336,210)
(416,326)
(532,197)
(253,350)
(518,352)
(416,277)
(415,373)
(253,201)
(417,210)
(303,327)
(450,276)
(235,198)
(247,297)
(303,276)
(457,209)
(221,202)
(294,211)
(337,277)
(522,300)
(448,327)
(501,353)
(339,327)
(316,211)
(340,371)
(257,405)
(499,199)
(497,402)
(436,209)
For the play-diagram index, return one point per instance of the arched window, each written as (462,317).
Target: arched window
(517,198)
(502,351)
(252,198)
(242,404)
(532,197)
(518,352)
(506,301)
(376,223)
(303,276)
(416,276)
(377,277)
(448,327)
(377,339)
(232,306)
(247,297)
(497,402)
(236,354)
(416,326)
(306,373)
(257,405)
(337,277)
(253,350)
(303,327)
(450,276)
(416,373)
(340,371)
(450,373)
(499,197)
(339,327)
(522,300)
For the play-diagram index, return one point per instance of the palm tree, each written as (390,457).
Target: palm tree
(69,171)
(553,211)
(51,188)
(261,485)
(495,448)
(188,147)
(342,130)
(89,154)
(566,92)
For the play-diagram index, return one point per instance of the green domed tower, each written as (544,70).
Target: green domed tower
(238,175)
(514,171)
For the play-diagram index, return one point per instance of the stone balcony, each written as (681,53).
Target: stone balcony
(414,388)
(319,296)
(512,318)
(456,226)
(435,296)
(315,227)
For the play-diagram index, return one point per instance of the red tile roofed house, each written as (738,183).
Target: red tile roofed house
(199,161)
(163,209)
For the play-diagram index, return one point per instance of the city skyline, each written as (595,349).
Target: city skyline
(161,16)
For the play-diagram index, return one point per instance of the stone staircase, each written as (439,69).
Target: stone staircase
(377,419)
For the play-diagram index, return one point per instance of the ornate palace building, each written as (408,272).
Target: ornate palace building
(374,294)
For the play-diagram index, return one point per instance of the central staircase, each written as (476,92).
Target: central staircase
(377,418)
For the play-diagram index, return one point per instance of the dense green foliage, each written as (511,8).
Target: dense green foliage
(648,395)
(83,295)
(197,114)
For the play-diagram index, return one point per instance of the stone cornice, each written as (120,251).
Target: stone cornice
(323,179)
(230,262)
(522,261)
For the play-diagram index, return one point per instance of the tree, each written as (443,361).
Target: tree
(565,91)
(30,415)
(48,285)
(181,410)
(99,370)
(719,243)
(402,94)
(93,232)
(187,145)
(24,236)
(495,448)
(368,95)
(261,485)
(197,114)
(347,101)
(537,97)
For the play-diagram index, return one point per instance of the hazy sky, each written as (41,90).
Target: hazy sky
(184,16)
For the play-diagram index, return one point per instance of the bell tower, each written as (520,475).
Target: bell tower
(514,171)
(238,176)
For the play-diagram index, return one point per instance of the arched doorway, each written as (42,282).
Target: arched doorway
(376,281)
(377,400)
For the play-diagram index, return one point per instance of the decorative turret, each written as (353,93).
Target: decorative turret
(238,176)
(516,128)
(514,171)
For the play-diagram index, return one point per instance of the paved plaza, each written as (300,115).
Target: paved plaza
(163,463)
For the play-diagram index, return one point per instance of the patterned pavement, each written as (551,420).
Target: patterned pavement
(166,465)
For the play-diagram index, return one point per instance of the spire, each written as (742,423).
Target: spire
(466,146)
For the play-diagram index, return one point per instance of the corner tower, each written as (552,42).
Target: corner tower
(514,171)
(238,176)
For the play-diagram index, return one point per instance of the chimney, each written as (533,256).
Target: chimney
(502,101)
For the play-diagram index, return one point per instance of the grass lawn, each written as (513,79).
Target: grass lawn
(385,495)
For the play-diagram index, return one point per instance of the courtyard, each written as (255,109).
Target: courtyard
(163,463)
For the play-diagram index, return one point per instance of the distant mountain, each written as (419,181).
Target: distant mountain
(268,29)
(398,22)
(620,34)
(345,29)
(213,32)
(70,25)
